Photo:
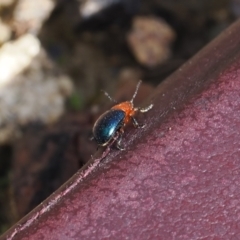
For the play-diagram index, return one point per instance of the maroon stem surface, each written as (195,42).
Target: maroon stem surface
(179,178)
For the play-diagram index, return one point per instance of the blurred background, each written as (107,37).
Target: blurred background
(57,55)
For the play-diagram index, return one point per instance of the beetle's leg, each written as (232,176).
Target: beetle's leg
(146,109)
(119,139)
(118,145)
(142,110)
(136,124)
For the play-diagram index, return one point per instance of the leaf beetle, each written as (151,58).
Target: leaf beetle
(109,127)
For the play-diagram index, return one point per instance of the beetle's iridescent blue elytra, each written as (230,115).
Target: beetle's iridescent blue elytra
(109,127)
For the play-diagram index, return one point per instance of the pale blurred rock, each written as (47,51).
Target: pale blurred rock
(31,89)
(17,55)
(5,32)
(6,3)
(32,13)
(150,40)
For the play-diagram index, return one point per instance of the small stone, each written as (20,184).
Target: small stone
(150,40)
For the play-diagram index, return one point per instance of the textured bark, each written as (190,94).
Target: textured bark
(179,177)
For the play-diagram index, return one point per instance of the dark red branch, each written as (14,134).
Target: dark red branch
(179,177)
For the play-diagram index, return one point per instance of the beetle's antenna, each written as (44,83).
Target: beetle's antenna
(107,95)
(136,91)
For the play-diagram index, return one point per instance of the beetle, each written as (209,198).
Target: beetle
(109,127)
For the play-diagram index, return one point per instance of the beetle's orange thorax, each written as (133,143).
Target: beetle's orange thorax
(128,108)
